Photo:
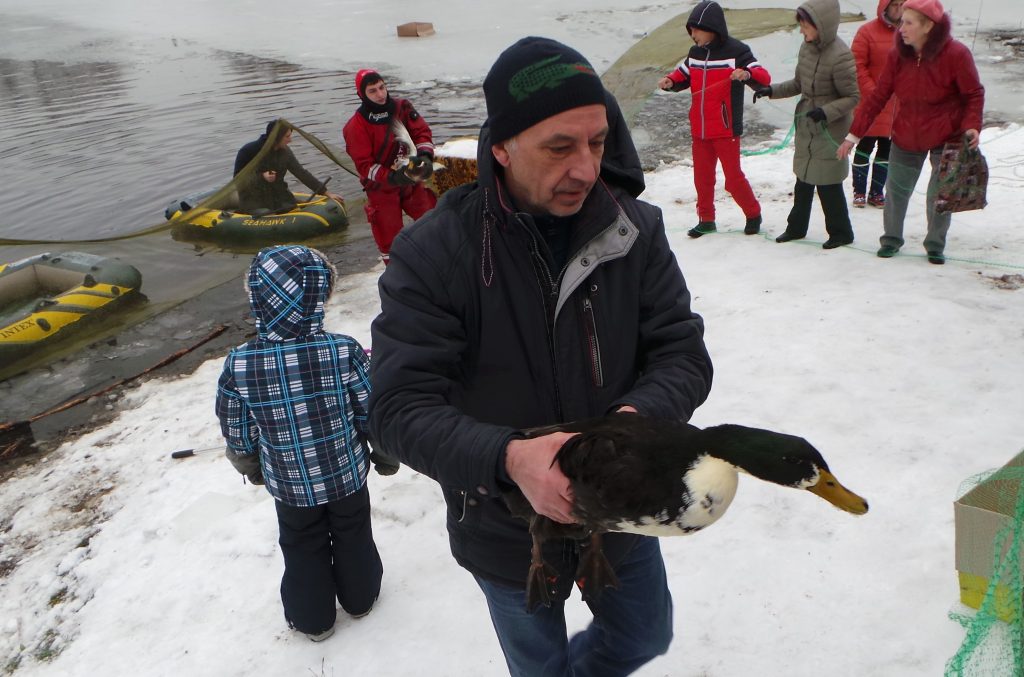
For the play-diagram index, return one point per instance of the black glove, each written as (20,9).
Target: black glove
(400,177)
(817,115)
(248,465)
(761,90)
(384,464)
(421,167)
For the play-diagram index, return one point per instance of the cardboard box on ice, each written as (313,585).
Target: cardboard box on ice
(416,29)
(979,515)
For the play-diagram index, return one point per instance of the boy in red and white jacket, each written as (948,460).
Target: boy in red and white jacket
(714,71)
(392,175)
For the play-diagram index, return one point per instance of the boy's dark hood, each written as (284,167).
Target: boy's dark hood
(709,16)
(288,287)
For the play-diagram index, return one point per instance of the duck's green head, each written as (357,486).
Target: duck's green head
(783,459)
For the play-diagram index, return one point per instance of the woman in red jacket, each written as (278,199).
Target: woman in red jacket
(940,100)
(871,47)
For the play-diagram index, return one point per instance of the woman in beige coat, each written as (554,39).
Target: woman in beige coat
(826,81)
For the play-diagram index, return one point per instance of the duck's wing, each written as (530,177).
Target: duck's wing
(627,473)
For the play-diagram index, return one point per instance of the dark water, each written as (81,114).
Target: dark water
(99,136)
(101,133)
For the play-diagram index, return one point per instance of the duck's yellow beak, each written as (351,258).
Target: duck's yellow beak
(829,488)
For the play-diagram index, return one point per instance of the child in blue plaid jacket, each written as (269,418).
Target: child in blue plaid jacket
(292,408)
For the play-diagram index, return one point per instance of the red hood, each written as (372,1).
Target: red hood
(882,6)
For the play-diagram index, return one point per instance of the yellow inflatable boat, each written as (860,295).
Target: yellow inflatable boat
(45,298)
(314,215)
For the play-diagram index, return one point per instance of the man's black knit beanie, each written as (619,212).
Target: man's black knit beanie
(533,80)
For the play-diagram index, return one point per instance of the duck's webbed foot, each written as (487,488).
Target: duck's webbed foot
(595,572)
(541,581)
(540,585)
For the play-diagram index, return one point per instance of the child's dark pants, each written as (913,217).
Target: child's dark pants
(329,554)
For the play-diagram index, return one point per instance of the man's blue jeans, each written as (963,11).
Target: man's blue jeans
(631,625)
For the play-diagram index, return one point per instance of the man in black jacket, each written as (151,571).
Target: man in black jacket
(265,190)
(543,293)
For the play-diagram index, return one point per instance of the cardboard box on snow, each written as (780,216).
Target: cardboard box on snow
(979,516)
(416,29)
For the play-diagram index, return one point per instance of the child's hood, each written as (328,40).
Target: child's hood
(709,16)
(288,287)
(825,15)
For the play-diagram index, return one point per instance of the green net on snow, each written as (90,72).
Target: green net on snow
(990,560)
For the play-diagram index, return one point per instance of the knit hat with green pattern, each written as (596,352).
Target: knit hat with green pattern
(533,80)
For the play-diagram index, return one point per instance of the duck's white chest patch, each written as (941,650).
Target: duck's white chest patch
(712,486)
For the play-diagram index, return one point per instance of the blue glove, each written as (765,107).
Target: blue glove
(817,115)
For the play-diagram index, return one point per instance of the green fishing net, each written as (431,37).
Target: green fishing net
(225,197)
(994,643)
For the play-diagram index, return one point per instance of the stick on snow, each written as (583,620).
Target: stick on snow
(185,453)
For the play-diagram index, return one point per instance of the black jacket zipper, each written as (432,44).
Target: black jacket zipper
(593,342)
(548,287)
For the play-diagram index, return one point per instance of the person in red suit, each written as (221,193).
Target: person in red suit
(715,71)
(392,173)
(871,47)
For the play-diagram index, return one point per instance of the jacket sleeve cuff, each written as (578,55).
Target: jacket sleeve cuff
(852,139)
(501,469)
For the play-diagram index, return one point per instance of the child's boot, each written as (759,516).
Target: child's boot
(702,228)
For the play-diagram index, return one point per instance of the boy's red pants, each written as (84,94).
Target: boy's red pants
(707,153)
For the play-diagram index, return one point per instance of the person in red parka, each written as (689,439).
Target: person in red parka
(392,174)
(940,100)
(714,71)
(871,47)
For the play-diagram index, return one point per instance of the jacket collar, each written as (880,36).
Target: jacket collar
(609,243)
(378,113)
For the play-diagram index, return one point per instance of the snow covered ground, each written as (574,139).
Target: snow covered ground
(118,560)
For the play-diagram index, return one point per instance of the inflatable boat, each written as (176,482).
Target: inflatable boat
(46,298)
(314,215)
